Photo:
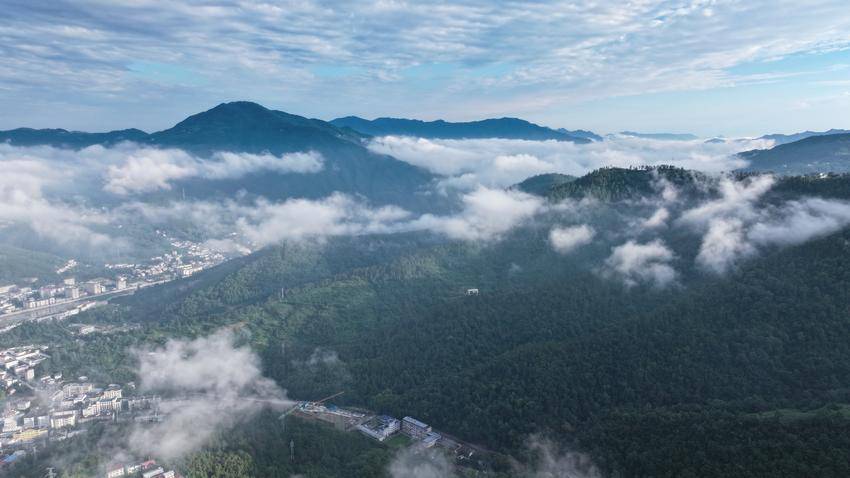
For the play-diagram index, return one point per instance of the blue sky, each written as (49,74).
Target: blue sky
(708,67)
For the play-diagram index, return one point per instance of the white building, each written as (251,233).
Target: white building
(67,418)
(414,428)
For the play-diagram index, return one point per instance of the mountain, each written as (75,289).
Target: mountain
(541,184)
(61,138)
(661,136)
(815,154)
(582,133)
(245,127)
(615,184)
(779,139)
(249,127)
(741,374)
(506,128)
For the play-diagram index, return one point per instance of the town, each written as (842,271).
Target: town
(30,300)
(43,409)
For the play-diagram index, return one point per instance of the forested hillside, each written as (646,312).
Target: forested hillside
(743,373)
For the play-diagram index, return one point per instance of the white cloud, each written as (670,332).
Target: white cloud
(799,221)
(658,218)
(412,463)
(737,198)
(300,219)
(634,262)
(504,58)
(554,463)
(151,169)
(567,239)
(487,214)
(219,384)
(504,162)
(24,183)
(735,225)
(723,244)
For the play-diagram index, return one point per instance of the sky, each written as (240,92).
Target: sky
(709,67)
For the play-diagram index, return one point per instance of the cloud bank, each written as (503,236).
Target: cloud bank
(218,384)
(24,184)
(504,162)
(151,169)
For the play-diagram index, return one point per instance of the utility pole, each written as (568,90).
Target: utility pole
(291,450)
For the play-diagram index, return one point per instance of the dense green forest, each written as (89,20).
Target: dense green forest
(744,374)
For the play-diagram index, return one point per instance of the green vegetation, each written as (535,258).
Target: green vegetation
(746,374)
(17,264)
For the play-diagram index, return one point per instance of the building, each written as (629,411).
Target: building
(93,287)
(115,471)
(112,391)
(380,428)
(121,283)
(67,418)
(431,439)
(42,421)
(74,389)
(107,405)
(414,428)
(10,422)
(471,291)
(72,292)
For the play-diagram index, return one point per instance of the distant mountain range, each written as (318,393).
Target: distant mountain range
(779,139)
(814,154)
(662,136)
(349,167)
(505,128)
(61,138)
(582,133)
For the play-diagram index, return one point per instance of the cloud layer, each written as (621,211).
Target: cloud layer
(217,384)
(504,162)
(151,169)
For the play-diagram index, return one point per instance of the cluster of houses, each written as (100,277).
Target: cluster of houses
(18,365)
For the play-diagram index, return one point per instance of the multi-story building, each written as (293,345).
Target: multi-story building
(74,389)
(414,428)
(93,287)
(112,391)
(380,428)
(61,419)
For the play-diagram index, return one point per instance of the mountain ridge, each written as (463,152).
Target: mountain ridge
(814,154)
(503,128)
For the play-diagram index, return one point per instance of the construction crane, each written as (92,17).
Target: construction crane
(288,412)
(328,398)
